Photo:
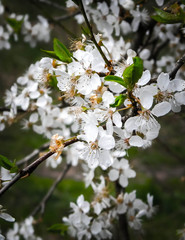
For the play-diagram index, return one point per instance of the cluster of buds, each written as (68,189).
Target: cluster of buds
(57,144)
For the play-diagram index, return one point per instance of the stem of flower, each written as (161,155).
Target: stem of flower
(92,34)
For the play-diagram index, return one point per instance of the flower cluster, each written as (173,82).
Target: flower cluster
(20,24)
(110,105)
(23,230)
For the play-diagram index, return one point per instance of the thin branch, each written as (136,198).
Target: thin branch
(67,16)
(27,171)
(32,155)
(178,65)
(41,206)
(51,19)
(123,233)
(92,34)
(53,4)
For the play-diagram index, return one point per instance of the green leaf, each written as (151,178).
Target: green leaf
(116,79)
(170,18)
(53,82)
(133,73)
(58,227)
(51,54)
(7,164)
(61,51)
(119,100)
(85,31)
(15,24)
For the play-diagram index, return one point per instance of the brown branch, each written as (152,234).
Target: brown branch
(178,65)
(92,34)
(53,4)
(41,206)
(123,232)
(66,17)
(27,171)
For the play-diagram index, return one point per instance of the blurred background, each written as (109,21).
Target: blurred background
(160,169)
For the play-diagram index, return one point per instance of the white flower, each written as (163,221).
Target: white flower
(122,171)
(139,17)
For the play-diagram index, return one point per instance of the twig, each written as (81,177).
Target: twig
(92,34)
(53,4)
(178,65)
(30,168)
(123,224)
(42,204)
(66,17)
(32,155)
(51,19)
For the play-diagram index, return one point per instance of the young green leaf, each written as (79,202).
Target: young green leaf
(119,100)
(53,82)
(61,51)
(133,73)
(85,31)
(169,18)
(58,227)
(15,24)
(50,54)
(116,79)
(5,162)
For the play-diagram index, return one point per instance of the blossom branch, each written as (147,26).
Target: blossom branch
(178,65)
(92,34)
(41,206)
(123,223)
(27,171)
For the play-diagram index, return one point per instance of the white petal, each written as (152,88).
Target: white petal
(136,141)
(176,85)
(116,118)
(180,97)
(113,174)
(146,99)
(161,109)
(163,81)
(106,142)
(159,2)
(145,78)
(123,180)
(109,127)
(7,217)
(91,132)
(130,124)
(96,228)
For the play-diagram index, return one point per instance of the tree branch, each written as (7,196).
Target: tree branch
(123,233)
(92,34)
(178,65)
(27,171)
(41,206)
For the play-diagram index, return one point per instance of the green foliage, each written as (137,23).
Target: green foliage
(85,31)
(119,100)
(58,228)
(61,51)
(116,79)
(7,164)
(53,82)
(133,73)
(15,24)
(169,18)
(51,54)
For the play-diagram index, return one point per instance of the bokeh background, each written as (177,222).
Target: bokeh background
(160,168)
